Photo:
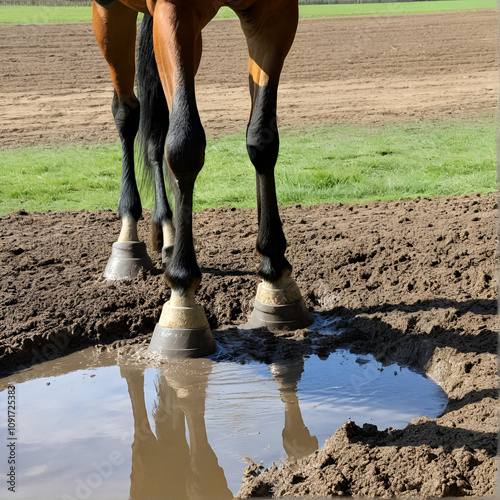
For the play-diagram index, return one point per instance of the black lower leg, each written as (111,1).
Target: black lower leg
(185,153)
(182,270)
(271,242)
(263,146)
(162,214)
(126,117)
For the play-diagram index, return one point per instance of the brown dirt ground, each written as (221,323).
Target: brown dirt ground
(411,281)
(56,86)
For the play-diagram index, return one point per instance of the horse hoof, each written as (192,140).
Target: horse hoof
(182,332)
(182,343)
(128,259)
(288,317)
(280,309)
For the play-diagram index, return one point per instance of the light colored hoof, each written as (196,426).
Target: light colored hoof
(128,259)
(279,308)
(182,343)
(182,332)
(288,317)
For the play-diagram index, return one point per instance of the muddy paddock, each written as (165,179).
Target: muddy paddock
(410,281)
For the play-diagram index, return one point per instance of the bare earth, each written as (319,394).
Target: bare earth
(410,281)
(56,86)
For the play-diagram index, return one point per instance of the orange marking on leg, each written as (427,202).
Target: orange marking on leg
(258,75)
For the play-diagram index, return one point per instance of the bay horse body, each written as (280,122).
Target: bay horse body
(169,129)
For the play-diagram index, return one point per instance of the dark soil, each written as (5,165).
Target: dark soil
(410,281)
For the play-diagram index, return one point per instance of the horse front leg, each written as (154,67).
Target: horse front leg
(279,303)
(115,31)
(153,130)
(183,329)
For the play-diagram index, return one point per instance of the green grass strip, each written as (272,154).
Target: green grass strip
(27,14)
(396,8)
(317,164)
(39,15)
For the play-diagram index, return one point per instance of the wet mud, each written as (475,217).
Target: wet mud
(188,428)
(410,281)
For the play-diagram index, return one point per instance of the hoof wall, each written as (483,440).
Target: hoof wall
(287,317)
(128,259)
(182,343)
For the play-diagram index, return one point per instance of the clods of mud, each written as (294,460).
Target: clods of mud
(412,281)
(188,429)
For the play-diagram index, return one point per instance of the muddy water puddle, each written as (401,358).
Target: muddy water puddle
(88,427)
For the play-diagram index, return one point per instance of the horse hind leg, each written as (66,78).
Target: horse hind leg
(162,225)
(278,303)
(153,130)
(129,255)
(115,31)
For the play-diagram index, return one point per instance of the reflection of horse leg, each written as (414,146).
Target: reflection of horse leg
(297,439)
(183,328)
(144,446)
(115,31)
(205,477)
(269,36)
(152,132)
(173,452)
(159,463)
(135,384)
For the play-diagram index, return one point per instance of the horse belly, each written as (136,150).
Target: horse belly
(138,5)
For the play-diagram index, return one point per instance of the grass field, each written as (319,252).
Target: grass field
(317,164)
(36,14)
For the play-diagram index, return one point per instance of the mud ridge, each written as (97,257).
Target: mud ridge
(411,281)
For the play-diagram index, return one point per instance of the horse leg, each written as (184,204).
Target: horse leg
(183,329)
(115,31)
(269,37)
(153,129)
(297,440)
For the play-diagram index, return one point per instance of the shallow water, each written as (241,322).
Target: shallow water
(88,428)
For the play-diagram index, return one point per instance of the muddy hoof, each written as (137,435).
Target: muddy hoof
(182,332)
(128,259)
(182,343)
(287,317)
(279,306)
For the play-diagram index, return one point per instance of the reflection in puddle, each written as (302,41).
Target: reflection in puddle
(91,429)
(164,464)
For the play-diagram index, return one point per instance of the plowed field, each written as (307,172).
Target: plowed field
(56,85)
